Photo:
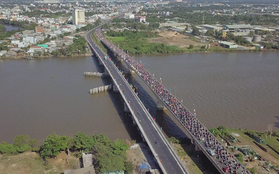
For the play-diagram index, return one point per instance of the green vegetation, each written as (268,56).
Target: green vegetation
(252,170)
(184,13)
(21,144)
(109,156)
(2,28)
(24,25)
(135,42)
(77,48)
(130,23)
(239,157)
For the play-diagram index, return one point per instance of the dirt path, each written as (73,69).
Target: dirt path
(174,39)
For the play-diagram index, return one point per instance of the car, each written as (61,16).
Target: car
(211,152)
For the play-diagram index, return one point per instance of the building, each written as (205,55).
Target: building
(228,44)
(241,27)
(212,27)
(29,39)
(78,16)
(140,19)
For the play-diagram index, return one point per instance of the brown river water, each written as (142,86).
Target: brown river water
(39,97)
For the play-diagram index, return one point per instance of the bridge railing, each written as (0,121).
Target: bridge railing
(146,112)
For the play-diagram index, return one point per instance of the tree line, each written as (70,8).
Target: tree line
(108,155)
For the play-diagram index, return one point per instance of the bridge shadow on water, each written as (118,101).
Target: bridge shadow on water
(169,124)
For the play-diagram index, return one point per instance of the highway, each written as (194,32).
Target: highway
(158,144)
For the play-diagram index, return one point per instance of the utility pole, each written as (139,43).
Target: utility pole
(202,19)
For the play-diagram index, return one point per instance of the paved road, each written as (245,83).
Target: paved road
(160,147)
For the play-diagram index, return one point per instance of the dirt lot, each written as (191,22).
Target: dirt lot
(140,153)
(31,163)
(174,39)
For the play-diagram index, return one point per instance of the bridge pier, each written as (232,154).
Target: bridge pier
(100,62)
(126,109)
(106,73)
(114,88)
(100,89)
(194,143)
(161,108)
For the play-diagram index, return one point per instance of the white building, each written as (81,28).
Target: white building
(78,16)
(29,39)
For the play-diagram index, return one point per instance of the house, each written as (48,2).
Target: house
(15,42)
(140,19)
(29,39)
(228,44)
(39,29)
(22,44)
(3,52)
(39,38)
(34,49)
(238,27)
(11,54)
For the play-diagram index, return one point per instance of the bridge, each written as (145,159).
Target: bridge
(163,152)
(203,139)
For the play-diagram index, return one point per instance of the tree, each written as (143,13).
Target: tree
(34,144)
(82,142)
(129,167)
(21,143)
(6,148)
(195,31)
(251,34)
(53,145)
(103,139)
(107,161)
(2,28)
(190,47)
(209,33)
(119,147)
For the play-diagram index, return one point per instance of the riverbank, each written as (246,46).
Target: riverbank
(168,42)
(43,57)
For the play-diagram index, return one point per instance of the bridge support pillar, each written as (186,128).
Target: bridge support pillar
(161,108)
(192,140)
(106,74)
(195,144)
(100,62)
(197,147)
(114,88)
(126,109)
(132,72)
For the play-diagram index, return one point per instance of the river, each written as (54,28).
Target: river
(39,97)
